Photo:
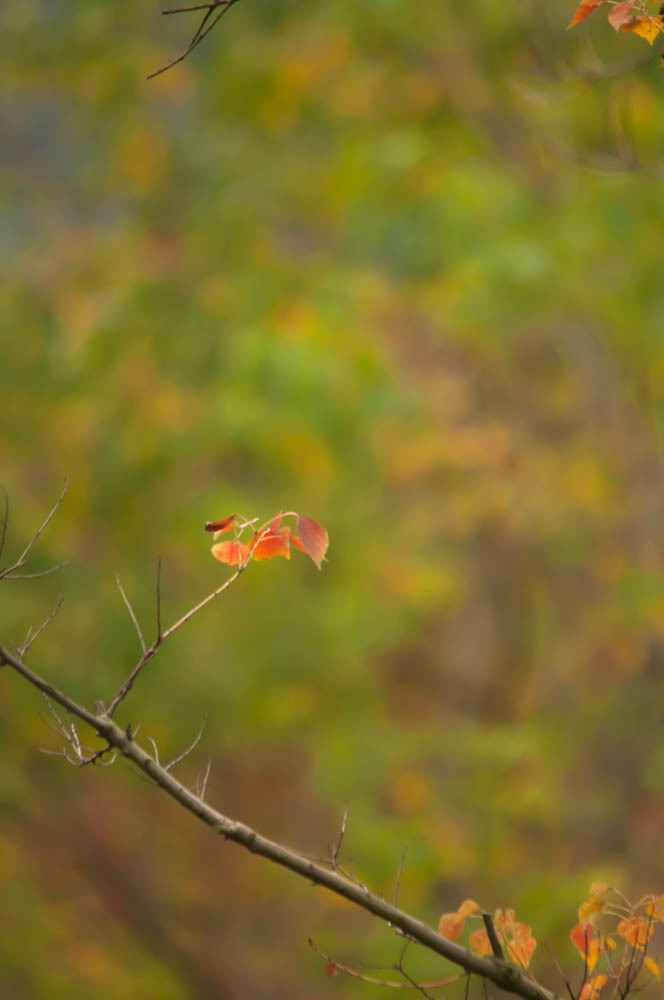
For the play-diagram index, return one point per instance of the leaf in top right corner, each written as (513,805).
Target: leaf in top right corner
(312,538)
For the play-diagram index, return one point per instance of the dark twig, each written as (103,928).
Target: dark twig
(562,975)
(23,558)
(493,937)
(203,29)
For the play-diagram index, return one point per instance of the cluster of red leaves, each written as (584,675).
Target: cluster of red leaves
(634,924)
(626,15)
(271,540)
(515,936)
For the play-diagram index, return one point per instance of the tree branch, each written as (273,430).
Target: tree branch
(505,975)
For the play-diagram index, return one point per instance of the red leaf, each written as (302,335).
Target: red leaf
(312,539)
(230,553)
(331,969)
(619,14)
(581,936)
(220,526)
(276,521)
(585,7)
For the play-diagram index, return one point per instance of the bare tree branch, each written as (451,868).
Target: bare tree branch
(502,973)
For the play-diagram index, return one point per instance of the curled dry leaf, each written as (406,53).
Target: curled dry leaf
(219,527)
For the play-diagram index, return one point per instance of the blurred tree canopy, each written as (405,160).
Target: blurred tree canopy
(402,273)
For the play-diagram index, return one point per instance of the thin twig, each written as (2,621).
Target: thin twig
(34,576)
(23,558)
(380,982)
(399,874)
(192,746)
(5,520)
(202,786)
(337,848)
(203,29)
(132,614)
(161,637)
(33,636)
(562,975)
(155,749)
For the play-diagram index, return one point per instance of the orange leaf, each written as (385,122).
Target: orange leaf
(230,553)
(272,543)
(522,945)
(645,27)
(619,14)
(220,526)
(522,952)
(312,538)
(276,521)
(331,969)
(637,931)
(480,943)
(468,907)
(592,987)
(504,919)
(585,7)
(450,926)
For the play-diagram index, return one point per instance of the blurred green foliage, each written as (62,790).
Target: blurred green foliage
(403,274)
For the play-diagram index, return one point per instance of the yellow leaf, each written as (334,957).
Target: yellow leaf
(651,964)
(645,27)
(467,908)
(656,908)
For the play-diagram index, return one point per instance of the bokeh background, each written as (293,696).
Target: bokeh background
(399,269)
